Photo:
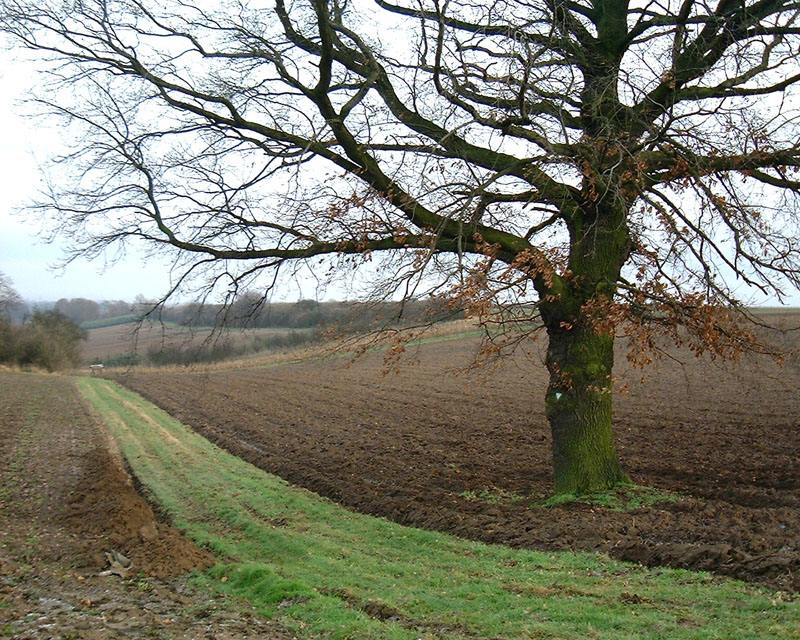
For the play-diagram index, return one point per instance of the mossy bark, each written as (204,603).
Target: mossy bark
(578,404)
(578,316)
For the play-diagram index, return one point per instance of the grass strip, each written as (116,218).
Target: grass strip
(327,572)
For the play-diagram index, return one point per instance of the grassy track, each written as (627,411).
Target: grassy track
(327,572)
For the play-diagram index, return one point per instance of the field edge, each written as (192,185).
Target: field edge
(343,591)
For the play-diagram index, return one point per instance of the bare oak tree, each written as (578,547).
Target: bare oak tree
(623,164)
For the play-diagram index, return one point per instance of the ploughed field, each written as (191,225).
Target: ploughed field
(469,453)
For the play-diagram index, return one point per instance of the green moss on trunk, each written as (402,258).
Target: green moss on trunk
(578,404)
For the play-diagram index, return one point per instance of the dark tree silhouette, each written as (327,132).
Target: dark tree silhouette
(621,164)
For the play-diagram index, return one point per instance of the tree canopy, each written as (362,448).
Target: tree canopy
(628,166)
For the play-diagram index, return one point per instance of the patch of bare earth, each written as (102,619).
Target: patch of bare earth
(66,501)
(470,455)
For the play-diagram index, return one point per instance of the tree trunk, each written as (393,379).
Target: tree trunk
(578,404)
(578,313)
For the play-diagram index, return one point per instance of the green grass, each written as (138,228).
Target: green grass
(625,497)
(110,322)
(326,572)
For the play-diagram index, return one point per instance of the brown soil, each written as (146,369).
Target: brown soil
(65,500)
(471,454)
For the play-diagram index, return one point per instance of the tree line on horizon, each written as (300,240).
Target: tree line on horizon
(248,311)
(252,311)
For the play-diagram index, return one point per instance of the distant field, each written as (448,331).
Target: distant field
(109,322)
(132,338)
(119,340)
(252,347)
(778,311)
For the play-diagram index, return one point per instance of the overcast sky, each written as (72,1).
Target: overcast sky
(29,263)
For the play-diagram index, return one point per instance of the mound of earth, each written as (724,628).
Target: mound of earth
(66,501)
(105,512)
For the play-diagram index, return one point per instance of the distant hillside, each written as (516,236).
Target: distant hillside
(110,322)
(156,343)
